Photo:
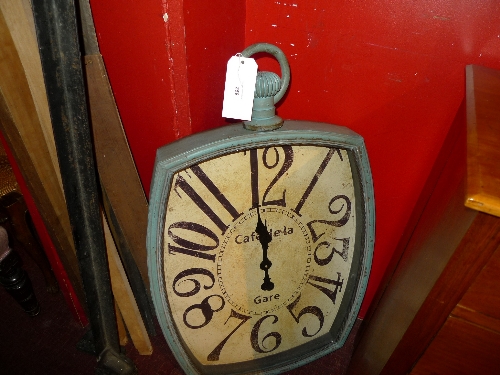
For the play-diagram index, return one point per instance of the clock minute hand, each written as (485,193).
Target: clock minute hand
(264,239)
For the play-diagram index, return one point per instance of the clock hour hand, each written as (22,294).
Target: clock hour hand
(264,239)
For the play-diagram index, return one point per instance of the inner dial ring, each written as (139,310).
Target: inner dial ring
(238,262)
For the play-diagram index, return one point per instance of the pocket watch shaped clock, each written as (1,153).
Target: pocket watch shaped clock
(260,240)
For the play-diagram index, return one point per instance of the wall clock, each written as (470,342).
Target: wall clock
(260,239)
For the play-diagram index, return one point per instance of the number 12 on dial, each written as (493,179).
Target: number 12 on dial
(258,253)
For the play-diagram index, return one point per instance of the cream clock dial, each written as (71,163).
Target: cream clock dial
(260,238)
(257,250)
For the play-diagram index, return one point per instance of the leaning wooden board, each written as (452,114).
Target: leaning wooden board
(116,167)
(124,297)
(26,128)
(123,196)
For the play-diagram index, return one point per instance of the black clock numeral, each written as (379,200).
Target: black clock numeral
(332,294)
(196,198)
(206,309)
(254,177)
(344,253)
(194,227)
(196,283)
(215,354)
(335,223)
(287,163)
(192,248)
(315,310)
(260,347)
(266,160)
(316,177)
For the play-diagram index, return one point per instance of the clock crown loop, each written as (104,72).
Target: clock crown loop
(269,89)
(268,84)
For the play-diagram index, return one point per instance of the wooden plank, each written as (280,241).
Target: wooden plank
(461,348)
(123,195)
(476,318)
(115,164)
(125,298)
(472,254)
(19,19)
(21,126)
(483,112)
(483,295)
(122,330)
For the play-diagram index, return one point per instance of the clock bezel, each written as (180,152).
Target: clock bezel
(214,143)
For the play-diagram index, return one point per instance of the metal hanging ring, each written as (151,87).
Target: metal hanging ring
(280,56)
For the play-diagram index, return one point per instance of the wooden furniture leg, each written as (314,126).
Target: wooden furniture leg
(13,278)
(23,234)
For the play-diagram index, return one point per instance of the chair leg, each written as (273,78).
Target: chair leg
(14,279)
(24,234)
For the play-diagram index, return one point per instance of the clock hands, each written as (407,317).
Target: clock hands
(264,239)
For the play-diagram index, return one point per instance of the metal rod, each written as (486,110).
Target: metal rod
(57,33)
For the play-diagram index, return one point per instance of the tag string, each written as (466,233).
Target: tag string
(239,77)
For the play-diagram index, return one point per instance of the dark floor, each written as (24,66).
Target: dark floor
(46,344)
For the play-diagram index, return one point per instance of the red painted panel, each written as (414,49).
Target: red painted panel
(391,71)
(215,30)
(133,41)
(166,62)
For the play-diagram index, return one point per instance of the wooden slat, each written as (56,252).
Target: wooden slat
(125,298)
(477,318)
(115,164)
(19,19)
(122,330)
(122,192)
(461,348)
(461,271)
(483,126)
(23,130)
(483,295)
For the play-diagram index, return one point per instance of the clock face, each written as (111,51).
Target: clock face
(258,248)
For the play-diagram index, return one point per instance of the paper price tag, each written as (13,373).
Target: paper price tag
(239,89)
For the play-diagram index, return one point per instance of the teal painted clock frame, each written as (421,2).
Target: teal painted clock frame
(228,139)
(264,130)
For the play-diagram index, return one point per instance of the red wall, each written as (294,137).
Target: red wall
(166,62)
(393,71)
